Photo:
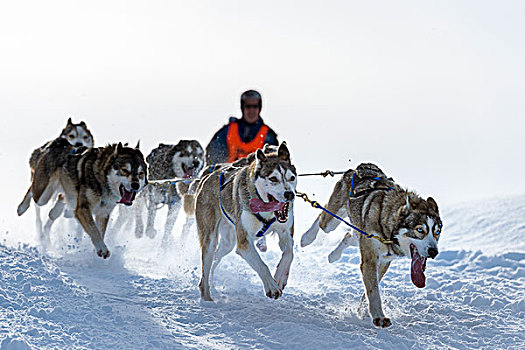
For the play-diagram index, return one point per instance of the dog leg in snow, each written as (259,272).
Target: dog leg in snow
(150,223)
(246,249)
(283,268)
(54,213)
(22,207)
(38,222)
(347,241)
(369,270)
(173,213)
(186,228)
(226,245)
(84,216)
(207,254)
(311,234)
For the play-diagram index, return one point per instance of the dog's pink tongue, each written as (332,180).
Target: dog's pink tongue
(417,269)
(258,206)
(127,197)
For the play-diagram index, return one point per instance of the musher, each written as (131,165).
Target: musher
(241,136)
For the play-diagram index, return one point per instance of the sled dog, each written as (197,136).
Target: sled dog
(77,135)
(188,200)
(378,206)
(234,206)
(92,182)
(182,161)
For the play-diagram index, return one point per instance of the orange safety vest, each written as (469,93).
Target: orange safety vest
(238,149)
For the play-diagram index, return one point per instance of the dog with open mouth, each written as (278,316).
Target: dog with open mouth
(93,181)
(236,205)
(408,225)
(184,160)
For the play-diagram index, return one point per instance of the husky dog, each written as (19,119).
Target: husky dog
(409,225)
(236,205)
(77,135)
(183,161)
(188,201)
(92,181)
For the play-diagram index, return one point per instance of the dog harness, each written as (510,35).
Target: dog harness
(238,149)
(266,223)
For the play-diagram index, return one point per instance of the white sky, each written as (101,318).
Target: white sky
(433,92)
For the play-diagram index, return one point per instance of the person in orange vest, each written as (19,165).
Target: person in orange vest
(241,136)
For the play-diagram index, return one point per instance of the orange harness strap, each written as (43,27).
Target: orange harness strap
(238,149)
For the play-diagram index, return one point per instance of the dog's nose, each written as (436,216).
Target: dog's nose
(135,186)
(78,144)
(432,252)
(289,195)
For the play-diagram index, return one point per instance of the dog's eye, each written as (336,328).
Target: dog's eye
(85,137)
(438,231)
(274,179)
(419,229)
(292,178)
(124,171)
(141,174)
(71,136)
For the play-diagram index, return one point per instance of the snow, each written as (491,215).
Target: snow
(146,296)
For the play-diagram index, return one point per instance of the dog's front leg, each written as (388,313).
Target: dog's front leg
(283,268)
(173,213)
(152,212)
(369,270)
(246,249)
(84,216)
(102,224)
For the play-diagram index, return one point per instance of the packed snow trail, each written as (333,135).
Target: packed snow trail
(146,296)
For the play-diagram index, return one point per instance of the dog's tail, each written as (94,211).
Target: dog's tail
(188,203)
(183,188)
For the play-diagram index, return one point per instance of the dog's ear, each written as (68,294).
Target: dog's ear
(433,204)
(260,155)
(283,152)
(69,122)
(82,124)
(138,145)
(119,148)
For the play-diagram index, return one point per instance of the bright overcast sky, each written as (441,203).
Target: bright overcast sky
(433,92)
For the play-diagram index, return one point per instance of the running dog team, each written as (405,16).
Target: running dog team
(246,191)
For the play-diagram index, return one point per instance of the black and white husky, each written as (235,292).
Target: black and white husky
(181,161)
(93,181)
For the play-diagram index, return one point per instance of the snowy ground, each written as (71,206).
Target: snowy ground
(145,296)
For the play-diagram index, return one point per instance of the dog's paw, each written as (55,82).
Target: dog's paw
(382,322)
(103,253)
(139,232)
(261,245)
(308,238)
(334,256)
(281,279)
(273,291)
(151,232)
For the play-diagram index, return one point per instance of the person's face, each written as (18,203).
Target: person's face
(250,111)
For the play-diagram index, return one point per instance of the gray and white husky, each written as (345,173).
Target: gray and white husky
(181,161)
(77,135)
(406,224)
(234,206)
(93,181)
